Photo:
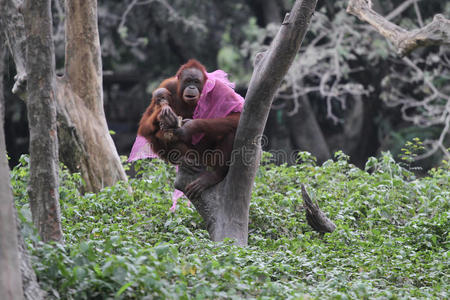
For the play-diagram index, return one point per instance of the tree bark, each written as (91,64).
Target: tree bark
(10,281)
(435,33)
(2,70)
(83,49)
(43,184)
(31,289)
(85,144)
(225,206)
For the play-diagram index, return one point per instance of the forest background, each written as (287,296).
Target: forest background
(350,91)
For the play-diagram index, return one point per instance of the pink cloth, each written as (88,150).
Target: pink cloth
(141,149)
(177,194)
(218,99)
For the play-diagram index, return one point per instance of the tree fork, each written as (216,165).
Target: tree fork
(225,206)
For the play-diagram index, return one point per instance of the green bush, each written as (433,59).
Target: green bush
(391,241)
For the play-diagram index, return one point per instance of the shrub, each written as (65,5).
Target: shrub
(391,239)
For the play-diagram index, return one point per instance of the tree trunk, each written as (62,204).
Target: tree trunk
(31,289)
(277,138)
(85,144)
(2,70)
(306,133)
(225,206)
(352,135)
(10,277)
(43,184)
(85,132)
(10,281)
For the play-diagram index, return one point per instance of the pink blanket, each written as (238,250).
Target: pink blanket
(218,99)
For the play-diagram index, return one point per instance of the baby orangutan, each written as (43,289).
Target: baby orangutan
(157,125)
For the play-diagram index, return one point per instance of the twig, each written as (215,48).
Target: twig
(419,15)
(189,23)
(400,9)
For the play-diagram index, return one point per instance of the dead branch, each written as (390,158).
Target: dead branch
(431,109)
(316,217)
(188,22)
(322,67)
(435,33)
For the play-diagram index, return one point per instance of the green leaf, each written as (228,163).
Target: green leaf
(123,288)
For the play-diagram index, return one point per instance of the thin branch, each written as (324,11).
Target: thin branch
(323,67)
(432,109)
(419,15)
(437,145)
(400,9)
(122,28)
(189,23)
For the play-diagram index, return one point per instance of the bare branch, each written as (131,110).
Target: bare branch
(400,9)
(12,25)
(419,15)
(432,108)
(435,33)
(189,23)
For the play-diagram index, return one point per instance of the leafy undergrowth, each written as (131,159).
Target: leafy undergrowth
(391,241)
